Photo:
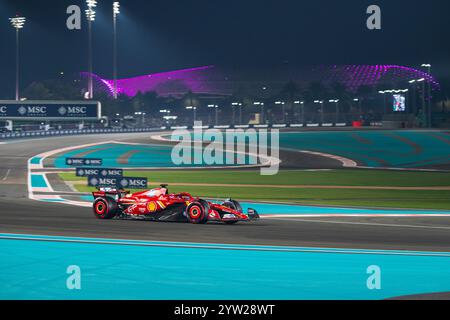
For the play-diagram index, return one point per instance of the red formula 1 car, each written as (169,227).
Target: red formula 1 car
(158,204)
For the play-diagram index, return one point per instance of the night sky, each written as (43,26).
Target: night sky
(166,35)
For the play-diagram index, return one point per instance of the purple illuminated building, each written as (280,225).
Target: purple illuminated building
(211,80)
(354,76)
(201,80)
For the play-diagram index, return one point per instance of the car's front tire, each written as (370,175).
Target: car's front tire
(105,208)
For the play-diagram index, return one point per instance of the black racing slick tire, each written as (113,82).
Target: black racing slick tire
(205,205)
(105,208)
(197,213)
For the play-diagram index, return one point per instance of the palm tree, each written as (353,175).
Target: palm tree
(340,92)
(37,91)
(317,91)
(442,96)
(191,101)
(363,92)
(240,95)
(150,99)
(137,102)
(290,91)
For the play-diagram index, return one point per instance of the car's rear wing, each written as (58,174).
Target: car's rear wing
(109,192)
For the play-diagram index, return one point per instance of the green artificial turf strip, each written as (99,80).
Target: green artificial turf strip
(413,199)
(342,177)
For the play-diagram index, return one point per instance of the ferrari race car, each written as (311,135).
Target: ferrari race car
(160,205)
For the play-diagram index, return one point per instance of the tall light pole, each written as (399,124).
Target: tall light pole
(336,101)
(428,66)
(321,102)
(216,117)
(422,80)
(217,114)
(194,109)
(384,99)
(414,94)
(282,104)
(261,104)
(18,23)
(90,15)
(233,106)
(142,114)
(240,112)
(302,103)
(116,11)
(303,111)
(263,117)
(359,107)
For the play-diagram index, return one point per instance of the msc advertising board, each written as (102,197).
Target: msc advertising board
(50,110)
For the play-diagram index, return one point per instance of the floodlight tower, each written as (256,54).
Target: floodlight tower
(18,23)
(116,11)
(90,15)
(428,66)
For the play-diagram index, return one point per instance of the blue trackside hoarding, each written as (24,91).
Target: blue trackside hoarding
(84,162)
(117,182)
(53,110)
(110,172)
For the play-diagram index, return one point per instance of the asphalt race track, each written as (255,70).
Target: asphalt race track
(20,215)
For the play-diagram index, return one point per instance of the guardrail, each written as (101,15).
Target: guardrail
(35,134)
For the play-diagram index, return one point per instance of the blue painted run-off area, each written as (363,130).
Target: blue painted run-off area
(404,149)
(36,160)
(387,148)
(38,181)
(36,269)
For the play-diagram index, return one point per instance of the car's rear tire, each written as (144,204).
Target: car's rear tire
(205,205)
(197,213)
(105,208)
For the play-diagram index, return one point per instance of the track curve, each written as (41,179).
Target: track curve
(21,215)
